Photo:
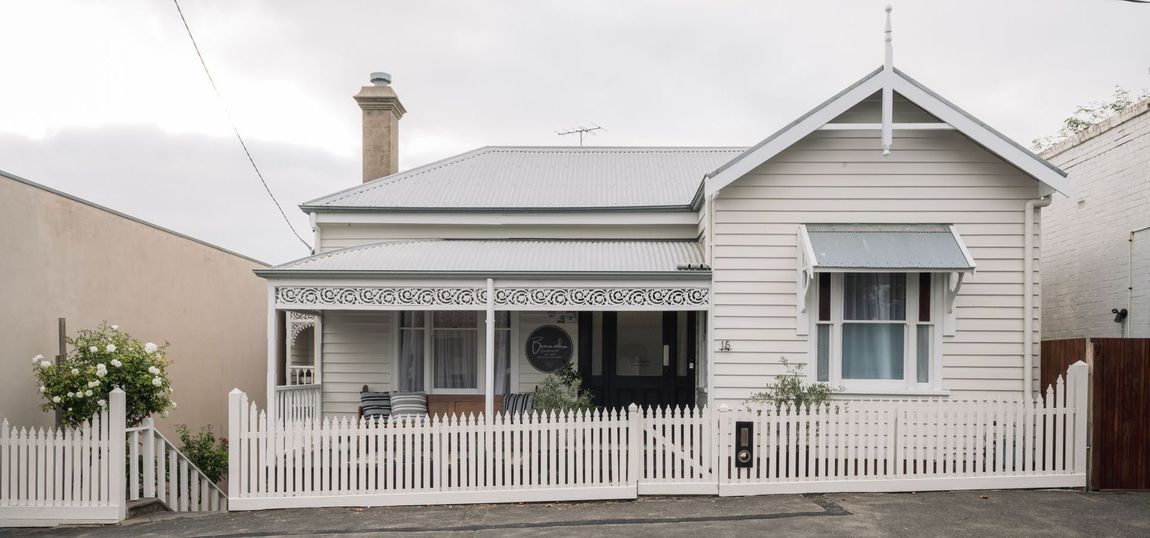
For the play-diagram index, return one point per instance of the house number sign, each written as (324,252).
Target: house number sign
(548,348)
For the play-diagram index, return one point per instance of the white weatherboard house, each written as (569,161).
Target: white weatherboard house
(884,242)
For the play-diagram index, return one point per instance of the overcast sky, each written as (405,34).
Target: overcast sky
(106,100)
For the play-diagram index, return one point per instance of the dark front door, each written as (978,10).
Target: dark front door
(646,358)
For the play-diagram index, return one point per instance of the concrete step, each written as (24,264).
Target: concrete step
(146,506)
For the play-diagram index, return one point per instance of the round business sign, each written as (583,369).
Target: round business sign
(548,348)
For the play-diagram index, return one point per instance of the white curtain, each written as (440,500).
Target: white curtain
(873,350)
(502,361)
(454,349)
(411,360)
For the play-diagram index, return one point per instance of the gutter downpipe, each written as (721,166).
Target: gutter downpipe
(1028,294)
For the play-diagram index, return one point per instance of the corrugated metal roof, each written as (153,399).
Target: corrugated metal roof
(541,178)
(887,246)
(503,256)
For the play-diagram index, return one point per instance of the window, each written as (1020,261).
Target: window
(454,340)
(411,348)
(874,331)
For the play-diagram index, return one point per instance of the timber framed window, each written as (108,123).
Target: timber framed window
(442,352)
(877,332)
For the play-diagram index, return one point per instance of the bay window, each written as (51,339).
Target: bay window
(875,331)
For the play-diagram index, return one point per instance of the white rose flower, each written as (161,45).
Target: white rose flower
(115,327)
(42,389)
(150,348)
(88,392)
(165,414)
(101,373)
(93,384)
(71,394)
(173,405)
(153,370)
(117,363)
(45,364)
(55,399)
(93,349)
(37,359)
(102,402)
(111,348)
(75,371)
(157,381)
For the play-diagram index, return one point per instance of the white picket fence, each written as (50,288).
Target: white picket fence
(863,445)
(157,469)
(426,460)
(851,445)
(88,474)
(75,475)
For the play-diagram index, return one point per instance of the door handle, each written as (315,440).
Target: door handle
(666,355)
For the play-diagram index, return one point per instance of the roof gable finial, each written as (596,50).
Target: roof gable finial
(889,64)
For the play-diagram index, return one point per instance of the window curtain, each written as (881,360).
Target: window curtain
(873,350)
(502,361)
(411,360)
(454,347)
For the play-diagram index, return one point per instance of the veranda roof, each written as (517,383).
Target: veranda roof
(503,257)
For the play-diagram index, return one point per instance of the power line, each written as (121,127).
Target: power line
(236,129)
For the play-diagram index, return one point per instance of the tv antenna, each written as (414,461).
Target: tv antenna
(581,130)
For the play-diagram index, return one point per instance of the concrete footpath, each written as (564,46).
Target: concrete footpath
(967,513)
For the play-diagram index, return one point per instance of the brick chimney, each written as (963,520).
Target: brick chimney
(381,113)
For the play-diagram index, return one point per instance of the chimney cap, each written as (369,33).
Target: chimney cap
(379,78)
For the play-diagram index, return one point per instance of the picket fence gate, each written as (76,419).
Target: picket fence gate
(89,474)
(850,445)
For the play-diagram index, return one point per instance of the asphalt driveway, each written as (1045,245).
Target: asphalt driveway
(967,513)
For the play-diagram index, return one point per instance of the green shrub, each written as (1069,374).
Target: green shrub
(792,391)
(205,451)
(562,391)
(102,359)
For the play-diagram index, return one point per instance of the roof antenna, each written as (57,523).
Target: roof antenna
(887,93)
(581,130)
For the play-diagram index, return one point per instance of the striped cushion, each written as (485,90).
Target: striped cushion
(518,403)
(375,404)
(408,404)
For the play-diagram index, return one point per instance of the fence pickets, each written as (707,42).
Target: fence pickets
(88,474)
(848,445)
(52,475)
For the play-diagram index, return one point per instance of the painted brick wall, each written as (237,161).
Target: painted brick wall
(1085,237)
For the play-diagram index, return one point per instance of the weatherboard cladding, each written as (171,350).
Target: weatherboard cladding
(506,256)
(542,178)
(886,246)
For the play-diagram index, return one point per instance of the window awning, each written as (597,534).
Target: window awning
(896,248)
(934,248)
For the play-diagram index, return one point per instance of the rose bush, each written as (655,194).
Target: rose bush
(102,359)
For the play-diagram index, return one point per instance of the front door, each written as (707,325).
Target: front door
(646,358)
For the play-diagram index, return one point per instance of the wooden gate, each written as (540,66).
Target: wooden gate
(1121,437)
(675,452)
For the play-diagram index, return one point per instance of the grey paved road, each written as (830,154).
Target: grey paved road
(1000,513)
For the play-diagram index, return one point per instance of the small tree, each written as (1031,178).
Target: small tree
(1089,115)
(792,391)
(102,359)
(205,451)
(562,391)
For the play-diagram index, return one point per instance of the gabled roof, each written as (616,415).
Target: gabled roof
(1051,178)
(540,178)
(439,257)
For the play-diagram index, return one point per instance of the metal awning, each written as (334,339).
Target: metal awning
(932,248)
(896,248)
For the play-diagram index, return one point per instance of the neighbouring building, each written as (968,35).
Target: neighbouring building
(1096,242)
(883,242)
(67,257)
